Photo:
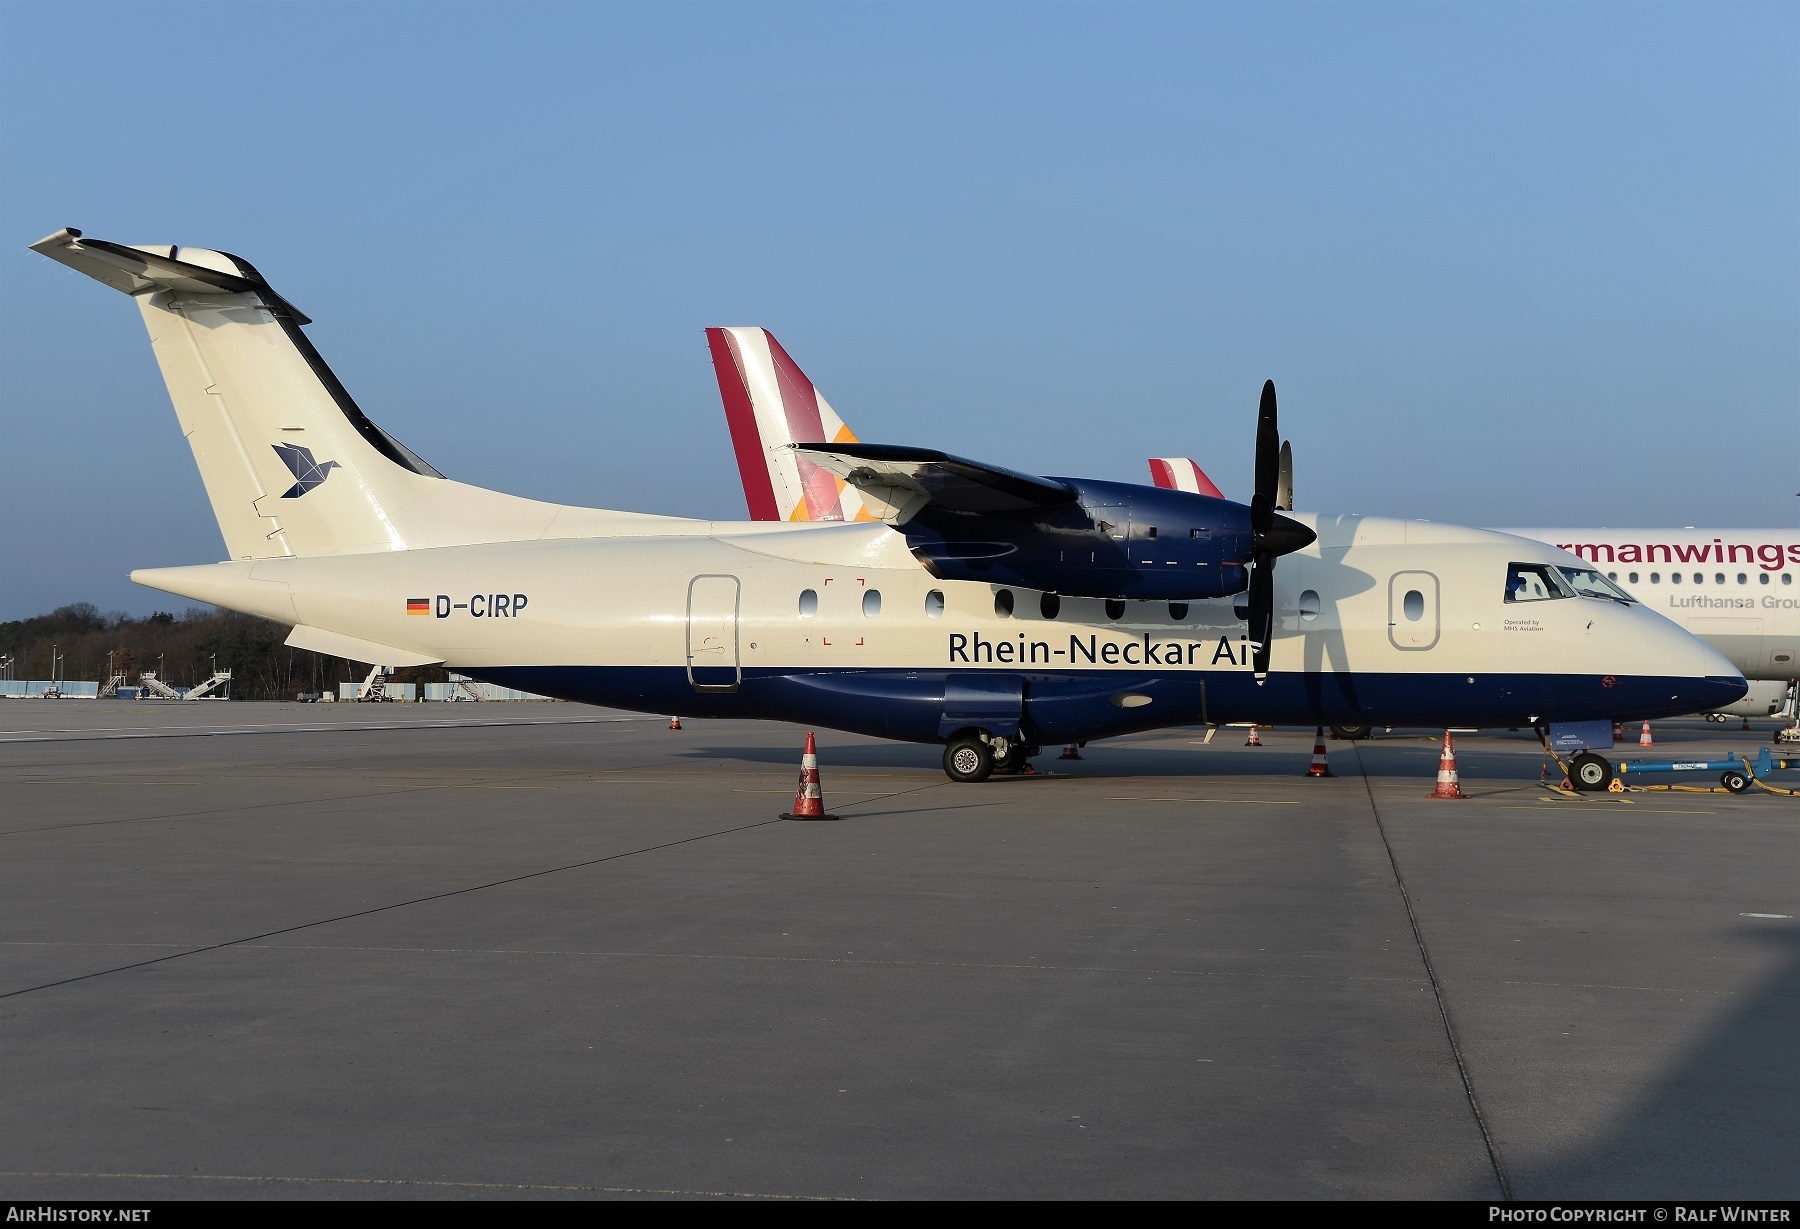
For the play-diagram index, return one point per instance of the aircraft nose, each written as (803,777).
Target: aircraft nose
(1708,679)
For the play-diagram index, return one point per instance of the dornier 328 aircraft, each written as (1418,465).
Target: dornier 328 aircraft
(982,609)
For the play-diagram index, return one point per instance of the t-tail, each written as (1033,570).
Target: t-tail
(291,463)
(769,406)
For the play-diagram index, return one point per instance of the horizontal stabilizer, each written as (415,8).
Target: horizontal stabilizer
(906,479)
(136,270)
(335,644)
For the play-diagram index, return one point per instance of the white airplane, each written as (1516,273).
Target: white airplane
(986,610)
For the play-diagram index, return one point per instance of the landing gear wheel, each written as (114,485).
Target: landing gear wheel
(1350,733)
(1011,764)
(1590,773)
(968,759)
(1735,781)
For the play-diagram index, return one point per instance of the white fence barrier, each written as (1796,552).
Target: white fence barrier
(487,691)
(32,689)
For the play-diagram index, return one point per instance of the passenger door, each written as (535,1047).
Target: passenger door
(1413,619)
(712,633)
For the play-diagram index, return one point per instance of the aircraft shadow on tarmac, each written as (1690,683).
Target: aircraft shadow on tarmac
(1719,1125)
(1286,759)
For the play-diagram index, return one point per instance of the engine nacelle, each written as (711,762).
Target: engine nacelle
(1115,540)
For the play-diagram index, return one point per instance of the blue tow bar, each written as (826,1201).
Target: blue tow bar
(1738,771)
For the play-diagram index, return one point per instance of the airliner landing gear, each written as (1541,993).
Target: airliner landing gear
(1014,761)
(1350,733)
(968,759)
(1590,773)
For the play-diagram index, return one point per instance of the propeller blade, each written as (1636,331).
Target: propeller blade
(1262,613)
(1284,484)
(1268,461)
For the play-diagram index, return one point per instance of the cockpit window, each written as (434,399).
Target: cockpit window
(1533,582)
(1589,583)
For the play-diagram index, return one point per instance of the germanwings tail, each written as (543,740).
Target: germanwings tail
(769,405)
(1181,474)
(291,464)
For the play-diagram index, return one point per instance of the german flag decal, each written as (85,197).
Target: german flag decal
(418,605)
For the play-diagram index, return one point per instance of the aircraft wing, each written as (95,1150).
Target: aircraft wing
(897,481)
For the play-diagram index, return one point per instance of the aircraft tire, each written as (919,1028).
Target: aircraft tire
(1350,733)
(967,759)
(1590,773)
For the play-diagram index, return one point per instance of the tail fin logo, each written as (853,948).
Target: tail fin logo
(307,472)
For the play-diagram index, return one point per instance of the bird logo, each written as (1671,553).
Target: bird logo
(308,473)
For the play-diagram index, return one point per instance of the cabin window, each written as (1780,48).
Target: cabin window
(1674,578)
(1115,609)
(809,603)
(871,603)
(1763,579)
(934,605)
(1049,605)
(1309,604)
(1656,578)
(1413,605)
(1719,578)
(1631,578)
(1178,611)
(1527,582)
(1612,576)
(1787,578)
(1003,603)
(1743,579)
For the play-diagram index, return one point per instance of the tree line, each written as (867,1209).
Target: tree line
(181,649)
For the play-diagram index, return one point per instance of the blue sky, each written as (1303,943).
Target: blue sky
(1507,264)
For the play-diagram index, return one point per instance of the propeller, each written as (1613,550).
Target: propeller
(1271,536)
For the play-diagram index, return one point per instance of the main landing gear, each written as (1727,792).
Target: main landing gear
(971,758)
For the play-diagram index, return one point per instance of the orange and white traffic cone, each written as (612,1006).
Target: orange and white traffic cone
(1070,752)
(1745,726)
(1320,766)
(1644,738)
(1253,740)
(809,801)
(1618,732)
(1448,786)
(674,723)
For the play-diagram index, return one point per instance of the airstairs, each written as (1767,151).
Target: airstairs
(374,688)
(465,688)
(111,687)
(148,681)
(220,680)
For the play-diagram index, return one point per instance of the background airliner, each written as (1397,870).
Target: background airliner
(987,610)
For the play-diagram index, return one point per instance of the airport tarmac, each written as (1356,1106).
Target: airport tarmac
(536,950)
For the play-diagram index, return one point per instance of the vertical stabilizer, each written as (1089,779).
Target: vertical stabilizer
(1181,474)
(291,465)
(769,405)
